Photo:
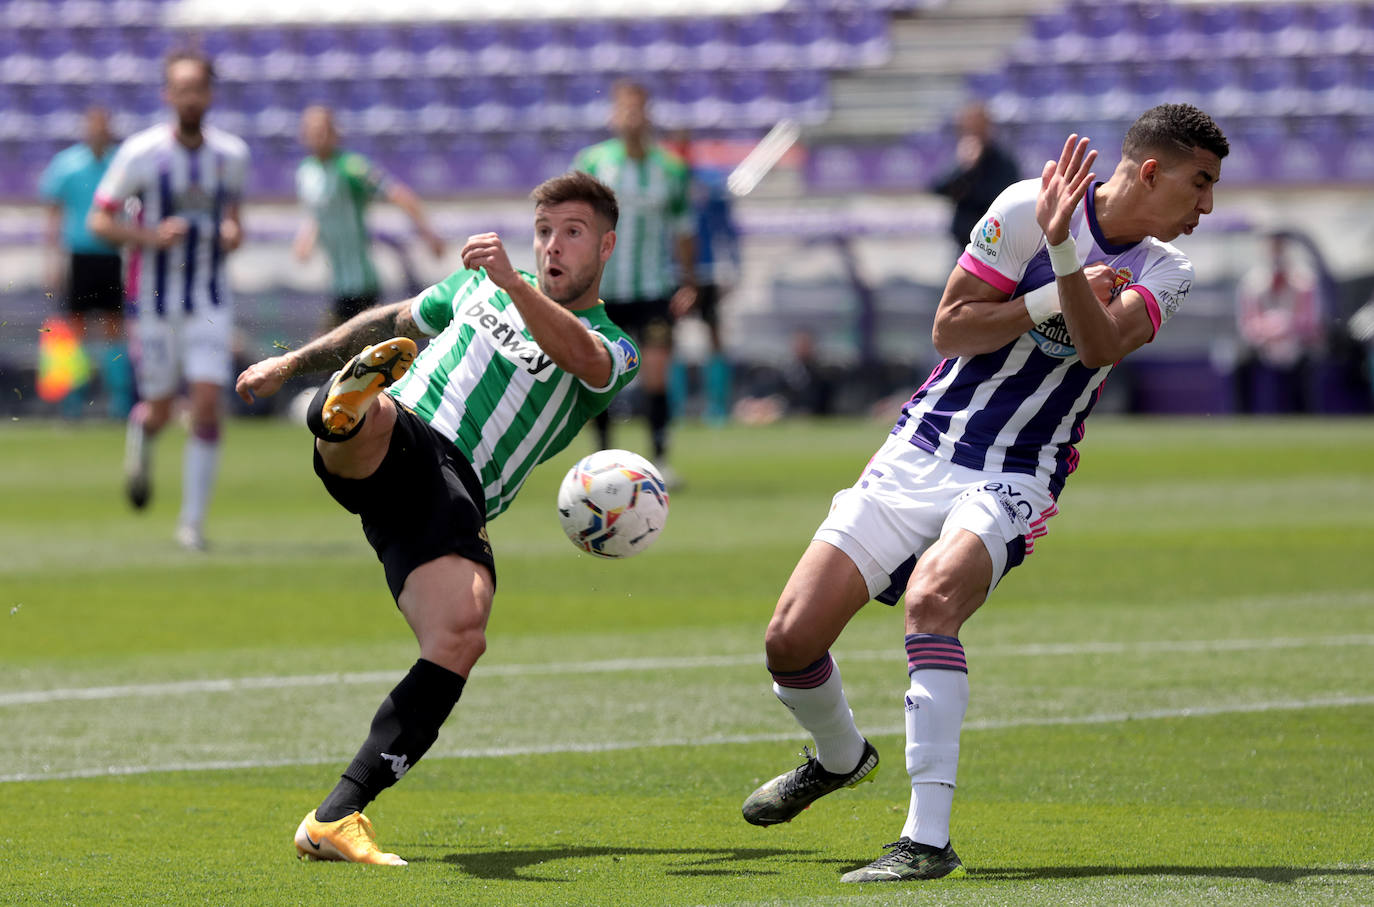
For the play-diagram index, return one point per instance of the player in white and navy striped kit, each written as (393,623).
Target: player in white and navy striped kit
(1063,277)
(181,184)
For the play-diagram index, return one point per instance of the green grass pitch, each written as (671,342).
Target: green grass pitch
(1173,700)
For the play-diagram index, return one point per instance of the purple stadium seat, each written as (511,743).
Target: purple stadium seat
(865,34)
(593,46)
(1278,29)
(805,34)
(747,99)
(1271,83)
(705,45)
(1220,31)
(534,47)
(1163,31)
(648,44)
(804,94)
(756,43)
(1341,27)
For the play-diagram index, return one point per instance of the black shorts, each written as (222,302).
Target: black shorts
(708,304)
(345,307)
(95,283)
(419,505)
(647,321)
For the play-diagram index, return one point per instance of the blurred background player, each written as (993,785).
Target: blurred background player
(336,186)
(188,178)
(981,170)
(86,269)
(1279,323)
(717,270)
(640,286)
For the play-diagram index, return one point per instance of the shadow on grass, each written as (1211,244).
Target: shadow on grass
(1284,875)
(518,864)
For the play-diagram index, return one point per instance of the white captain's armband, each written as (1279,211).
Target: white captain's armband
(1042,304)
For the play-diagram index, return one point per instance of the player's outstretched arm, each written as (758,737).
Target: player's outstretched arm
(262,379)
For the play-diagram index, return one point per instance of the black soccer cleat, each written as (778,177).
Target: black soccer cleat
(781,799)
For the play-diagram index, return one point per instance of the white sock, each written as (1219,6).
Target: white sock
(824,712)
(199,467)
(935,706)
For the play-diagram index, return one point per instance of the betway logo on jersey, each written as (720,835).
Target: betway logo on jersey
(508,339)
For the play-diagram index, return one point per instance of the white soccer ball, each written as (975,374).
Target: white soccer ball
(613,503)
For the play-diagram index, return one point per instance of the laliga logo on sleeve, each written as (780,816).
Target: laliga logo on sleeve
(989,235)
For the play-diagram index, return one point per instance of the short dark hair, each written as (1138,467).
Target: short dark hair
(184,54)
(576,186)
(1173,128)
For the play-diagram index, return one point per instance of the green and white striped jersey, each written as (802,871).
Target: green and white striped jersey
(484,384)
(654,211)
(336,192)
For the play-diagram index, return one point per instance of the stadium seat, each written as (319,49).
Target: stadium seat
(648,45)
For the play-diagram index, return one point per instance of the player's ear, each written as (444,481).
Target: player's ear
(607,246)
(1149,172)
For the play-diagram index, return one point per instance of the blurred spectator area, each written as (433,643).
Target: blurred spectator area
(482,106)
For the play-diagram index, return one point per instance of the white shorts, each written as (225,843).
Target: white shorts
(907,499)
(166,351)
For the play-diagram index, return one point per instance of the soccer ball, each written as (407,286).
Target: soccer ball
(613,503)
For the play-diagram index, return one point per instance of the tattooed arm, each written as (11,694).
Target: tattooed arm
(329,351)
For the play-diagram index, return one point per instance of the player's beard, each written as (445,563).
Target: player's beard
(577,285)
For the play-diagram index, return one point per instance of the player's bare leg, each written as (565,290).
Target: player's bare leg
(823,593)
(949,584)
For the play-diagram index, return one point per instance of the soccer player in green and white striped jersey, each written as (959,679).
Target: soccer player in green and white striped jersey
(336,186)
(517,364)
(643,289)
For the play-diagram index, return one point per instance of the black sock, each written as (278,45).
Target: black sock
(403,729)
(658,424)
(603,429)
(314,417)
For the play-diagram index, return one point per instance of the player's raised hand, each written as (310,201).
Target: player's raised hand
(1063,184)
(485,250)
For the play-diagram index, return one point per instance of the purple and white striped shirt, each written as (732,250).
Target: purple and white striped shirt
(1021,408)
(168,179)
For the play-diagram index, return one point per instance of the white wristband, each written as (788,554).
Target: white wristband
(1042,303)
(1064,257)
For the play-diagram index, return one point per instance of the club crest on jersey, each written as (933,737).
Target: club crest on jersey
(1122,279)
(988,236)
(508,340)
(631,354)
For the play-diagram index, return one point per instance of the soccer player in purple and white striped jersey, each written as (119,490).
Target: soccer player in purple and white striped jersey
(171,198)
(1064,276)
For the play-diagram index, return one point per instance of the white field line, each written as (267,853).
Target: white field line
(694,662)
(605,746)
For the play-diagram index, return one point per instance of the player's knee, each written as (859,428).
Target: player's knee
(457,648)
(788,647)
(935,604)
